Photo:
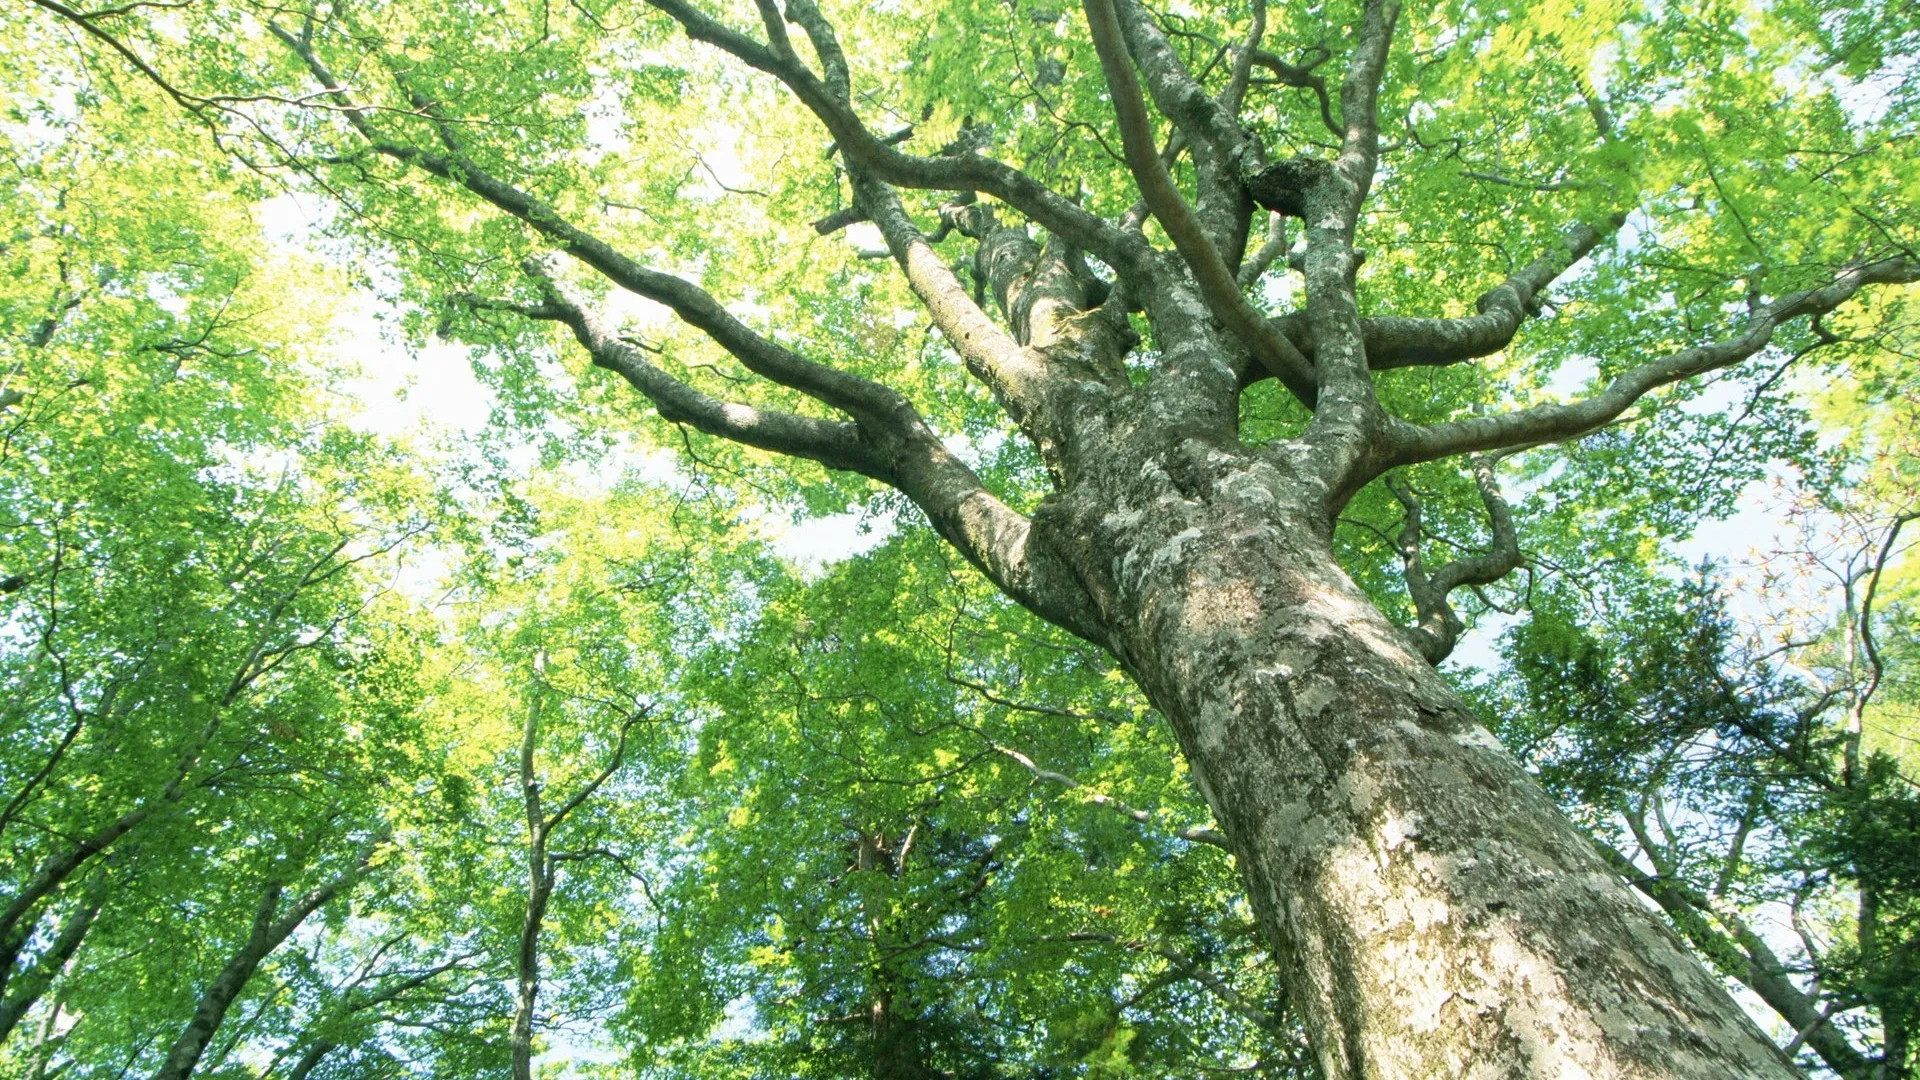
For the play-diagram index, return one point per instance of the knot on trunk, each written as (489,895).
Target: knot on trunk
(1284,186)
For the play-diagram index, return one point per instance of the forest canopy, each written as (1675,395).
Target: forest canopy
(952,539)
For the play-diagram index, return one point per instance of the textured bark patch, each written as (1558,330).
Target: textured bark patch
(1436,914)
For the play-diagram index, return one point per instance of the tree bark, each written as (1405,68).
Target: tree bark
(527,963)
(1435,912)
(540,881)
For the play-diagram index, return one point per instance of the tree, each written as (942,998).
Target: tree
(1728,789)
(1430,909)
(209,685)
(578,610)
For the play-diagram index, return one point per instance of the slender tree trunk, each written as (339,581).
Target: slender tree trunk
(45,1041)
(1435,912)
(311,1060)
(219,995)
(527,968)
(540,879)
(897,1050)
(56,868)
(268,932)
(28,988)
(15,926)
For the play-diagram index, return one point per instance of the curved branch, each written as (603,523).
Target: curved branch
(1439,627)
(899,450)
(1194,834)
(835,444)
(959,172)
(1540,424)
(1302,76)
(1217,285)
(1394,342)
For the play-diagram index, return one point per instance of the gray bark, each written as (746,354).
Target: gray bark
(25,990)
(542,861)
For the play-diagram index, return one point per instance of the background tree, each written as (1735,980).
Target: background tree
(209,683)
(928,836)
(578,612)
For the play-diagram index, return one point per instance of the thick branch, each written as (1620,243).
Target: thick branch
(1555,423)
(1347,415)
(1359,98)
(835,444)
(1216,282)
(1204,120)
(960,172)
(1402,342)
(1015,375)
(1221,150)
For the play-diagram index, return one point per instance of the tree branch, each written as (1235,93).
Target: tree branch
(1302,76)
(859,397)
(1555,423)
(1014,374)
(1438,626)
(1216,283)
(1193,834)
(835,444)
(959,172)
(1394,342)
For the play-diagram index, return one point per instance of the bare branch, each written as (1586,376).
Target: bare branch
(1193,834)
(958,172)
(1216,282)
(1016,375)
(1555,423)
(1439,626)
(1394,342)
(835,444)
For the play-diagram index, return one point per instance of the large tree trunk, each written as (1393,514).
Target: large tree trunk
(1435,912)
